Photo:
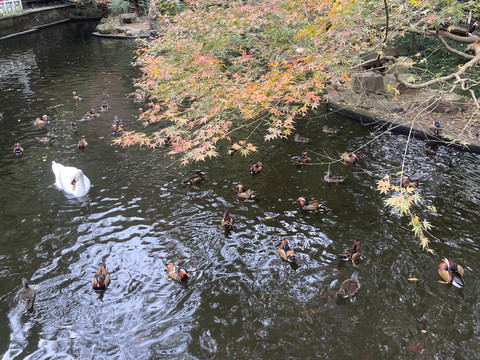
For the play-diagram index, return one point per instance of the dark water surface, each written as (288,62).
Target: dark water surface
(243,302)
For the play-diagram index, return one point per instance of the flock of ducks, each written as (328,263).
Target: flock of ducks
(117,126)
(73,181)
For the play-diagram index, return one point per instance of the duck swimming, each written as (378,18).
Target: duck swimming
(82,144)
(101,279)
(351,254)
(285,251)
(349,287)
(256,168)
(243,193)
(303,158)
(328,130)
(77,97)
(227,221)
(409,183)
(17,149)
(105,106)
(330,178)
(27,295)
(70,179)
(43,121)
(451,273)
(349,158)
(178,273)
(195,179)
(306,206)
(301,139)
(231,147)
(73,127)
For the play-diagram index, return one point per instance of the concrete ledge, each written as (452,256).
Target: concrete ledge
(368,119)
(33,19)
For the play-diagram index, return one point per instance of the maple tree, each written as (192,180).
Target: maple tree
(221,66)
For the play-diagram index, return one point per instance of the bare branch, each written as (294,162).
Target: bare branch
(445,34)
(452,50)
(472,47)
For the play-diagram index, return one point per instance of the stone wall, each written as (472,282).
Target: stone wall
(32,19)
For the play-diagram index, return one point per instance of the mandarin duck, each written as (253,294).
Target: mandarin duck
(105,106)
(73,127)
(306,206)
(77,97)
(43,121)
(195,179)
(101,279)
(303,158)
(451,273)
(82,144)
(408,182)
(330,178)
(178,273)
(27,295)
(301,139)
(351,254)
(17,149)
(329,130)
(436,128)
(227,221)
(256,168)
(349,287)
(285,251)
(231,147)
(349,158)
(243,193)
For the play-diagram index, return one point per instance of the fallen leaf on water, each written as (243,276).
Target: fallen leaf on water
(19,120)
(423,331)
(412,279)
(431,251)
(268,217)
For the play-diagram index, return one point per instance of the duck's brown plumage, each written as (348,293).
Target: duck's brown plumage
(353,253)
(227,221)
(101,279)
(178,273)
(451,273)
(27,295)
(285,251)
(256,168)
(301,139)
(195,179)
(330,178)
(349,287)
(243,193)
(349,158)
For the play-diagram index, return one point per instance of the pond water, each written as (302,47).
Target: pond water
(243,300)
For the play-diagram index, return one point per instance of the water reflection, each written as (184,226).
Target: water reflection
(243,300)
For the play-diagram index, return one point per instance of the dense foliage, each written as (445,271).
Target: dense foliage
(224,65)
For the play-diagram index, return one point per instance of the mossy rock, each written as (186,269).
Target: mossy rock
(108,28)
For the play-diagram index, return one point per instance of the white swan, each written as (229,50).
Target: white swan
(70,179)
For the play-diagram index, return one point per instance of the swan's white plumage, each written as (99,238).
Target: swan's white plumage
(64,175)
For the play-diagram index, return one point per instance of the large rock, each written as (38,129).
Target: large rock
(368,82)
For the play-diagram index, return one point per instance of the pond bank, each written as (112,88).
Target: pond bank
(410,113)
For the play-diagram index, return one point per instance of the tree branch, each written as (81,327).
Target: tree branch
(445,34)
(472,47)
(452,50)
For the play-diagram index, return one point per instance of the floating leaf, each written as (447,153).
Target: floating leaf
(423,331)
(268,217)
(412,279)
